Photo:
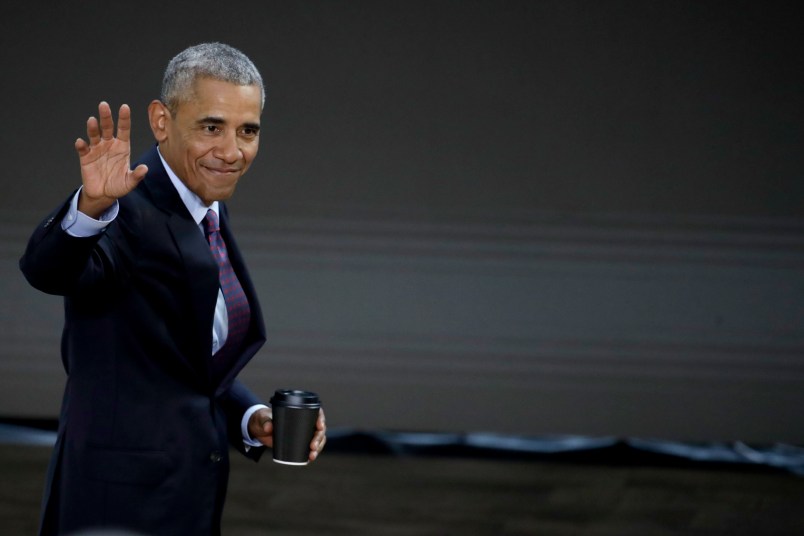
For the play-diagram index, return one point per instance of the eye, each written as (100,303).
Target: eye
(212,129)
(249,132)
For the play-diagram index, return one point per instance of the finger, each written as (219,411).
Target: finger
(106,121)
(93,132)
(124,123)
(321,423)
(265,415)
(266,436)
(81,147)
(139,172)
(316,448)
(265,429)
(318,442)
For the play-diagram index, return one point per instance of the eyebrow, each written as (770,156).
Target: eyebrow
(210,120)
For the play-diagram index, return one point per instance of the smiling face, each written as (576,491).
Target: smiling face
(212,138)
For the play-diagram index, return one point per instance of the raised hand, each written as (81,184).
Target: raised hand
(106,160)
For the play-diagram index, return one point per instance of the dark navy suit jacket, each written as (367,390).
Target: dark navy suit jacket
(145,425)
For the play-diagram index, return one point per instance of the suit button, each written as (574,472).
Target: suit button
(215,456)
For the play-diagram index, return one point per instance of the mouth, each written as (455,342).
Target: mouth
(222,171)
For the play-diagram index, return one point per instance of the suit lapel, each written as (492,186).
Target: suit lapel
(200,269)
(201,273)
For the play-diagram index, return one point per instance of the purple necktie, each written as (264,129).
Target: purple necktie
(237,308)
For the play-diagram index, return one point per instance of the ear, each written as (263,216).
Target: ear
(158,116)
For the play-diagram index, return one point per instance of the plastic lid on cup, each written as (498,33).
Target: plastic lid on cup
(295,398)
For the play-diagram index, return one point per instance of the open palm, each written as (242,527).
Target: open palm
(105,160)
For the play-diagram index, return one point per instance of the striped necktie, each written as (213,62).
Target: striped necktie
(237,308)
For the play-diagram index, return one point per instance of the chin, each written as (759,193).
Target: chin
(224,195)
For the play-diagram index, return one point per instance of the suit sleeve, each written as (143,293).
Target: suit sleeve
(235,402)
(54,261)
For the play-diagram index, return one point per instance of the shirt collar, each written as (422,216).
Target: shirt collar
(194,205)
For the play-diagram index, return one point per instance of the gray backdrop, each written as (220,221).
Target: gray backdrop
(506,216)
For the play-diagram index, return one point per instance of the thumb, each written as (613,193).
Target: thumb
(267,428)
(260,425)
(266,434)
(138,173)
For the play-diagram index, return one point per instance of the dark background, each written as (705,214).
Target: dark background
(646,107)
(507,216)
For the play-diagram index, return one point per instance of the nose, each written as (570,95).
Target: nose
(227,149)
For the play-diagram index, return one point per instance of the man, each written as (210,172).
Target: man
(160,313)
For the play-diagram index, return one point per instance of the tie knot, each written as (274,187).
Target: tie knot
(211,224)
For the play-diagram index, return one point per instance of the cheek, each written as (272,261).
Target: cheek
(198,150)
(249,153)
(251,149)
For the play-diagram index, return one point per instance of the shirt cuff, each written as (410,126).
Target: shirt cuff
(244,426)
(78,224)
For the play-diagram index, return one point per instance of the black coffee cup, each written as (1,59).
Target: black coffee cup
(294,416)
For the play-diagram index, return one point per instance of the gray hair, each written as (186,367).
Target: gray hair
(207,60)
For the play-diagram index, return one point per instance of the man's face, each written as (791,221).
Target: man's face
(213,137)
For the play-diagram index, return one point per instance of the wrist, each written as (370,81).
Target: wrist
(93,207)
(245,423)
